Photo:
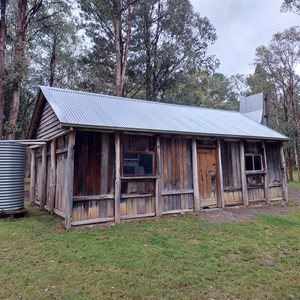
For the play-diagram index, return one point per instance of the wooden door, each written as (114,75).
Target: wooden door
(207,176)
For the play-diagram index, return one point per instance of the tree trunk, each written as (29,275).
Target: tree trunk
(118,41)
(295,112)
(155,55)
(147,42)
(24,19)
(127,42)
(297,159)
(121,46)
(53,60)
(19,56)
(2,62)
(289,165)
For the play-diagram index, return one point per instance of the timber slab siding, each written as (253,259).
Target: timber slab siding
(91,177)
(48,125)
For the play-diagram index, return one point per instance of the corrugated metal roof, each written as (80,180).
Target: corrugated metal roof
(88,110)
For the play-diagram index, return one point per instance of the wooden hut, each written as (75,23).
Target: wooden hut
(109,159)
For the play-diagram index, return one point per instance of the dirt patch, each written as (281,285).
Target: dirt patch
(241,213)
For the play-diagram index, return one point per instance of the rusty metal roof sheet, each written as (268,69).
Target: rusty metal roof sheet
(88,110)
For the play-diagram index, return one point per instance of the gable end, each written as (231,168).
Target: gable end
(45,123)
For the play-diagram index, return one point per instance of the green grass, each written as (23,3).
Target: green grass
(295,183)
(170,258)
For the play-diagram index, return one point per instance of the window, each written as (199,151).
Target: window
(138,155)
(253,162)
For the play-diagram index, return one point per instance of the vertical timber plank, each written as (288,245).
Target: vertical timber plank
(195,176)
(32,177)
(69,179)
(43,177)
(243,174)
(267,193)
(104,206)
(104,164)
(158,209)
(284,178)
(220,187)
(52,176)
(118,178)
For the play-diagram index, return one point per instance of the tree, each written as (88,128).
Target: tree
(279,61)
(25,16)
(201,89)
(109,25)
(55,51)
(259,82)
(2,62)
(28,27)
(291,5)
(169,39)
(158,41)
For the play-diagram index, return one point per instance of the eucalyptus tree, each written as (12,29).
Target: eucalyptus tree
(279,61)
(23,22)
(169,38)
(108,24)
(291,5)
(259,82)
(24,16)
(142,47)
(55,51)
(3,5)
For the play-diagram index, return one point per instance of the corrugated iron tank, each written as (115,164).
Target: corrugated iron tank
(12,173)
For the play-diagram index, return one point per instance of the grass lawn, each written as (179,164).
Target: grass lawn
(171,258)
(295,183)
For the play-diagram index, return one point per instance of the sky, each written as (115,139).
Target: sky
(242,26)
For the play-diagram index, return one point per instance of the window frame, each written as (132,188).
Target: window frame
(254,170)
(138,153)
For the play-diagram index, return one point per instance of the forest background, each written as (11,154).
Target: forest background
(148,49)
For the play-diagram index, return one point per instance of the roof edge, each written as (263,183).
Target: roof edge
(77,126)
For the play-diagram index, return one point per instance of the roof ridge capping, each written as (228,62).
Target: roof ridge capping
(135,100)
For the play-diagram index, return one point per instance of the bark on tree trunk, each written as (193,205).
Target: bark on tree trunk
(297,159)
(2,63)
(118,41)
(127,42)
(121,45)
(19,56)
(155,55)
(53,60)
(24,18)
(147,42)
(289,165)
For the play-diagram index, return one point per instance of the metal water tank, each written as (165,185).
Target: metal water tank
(12,173)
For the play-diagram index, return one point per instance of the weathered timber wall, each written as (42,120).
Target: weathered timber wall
(255,179)
(274,170)
(93,176)
(59,202)
(232,182)
(137,197)
(48,175)
(48,125)
(176,170)
(38,178)
(60,174)
(256,194)
(42,185)
(169,187)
